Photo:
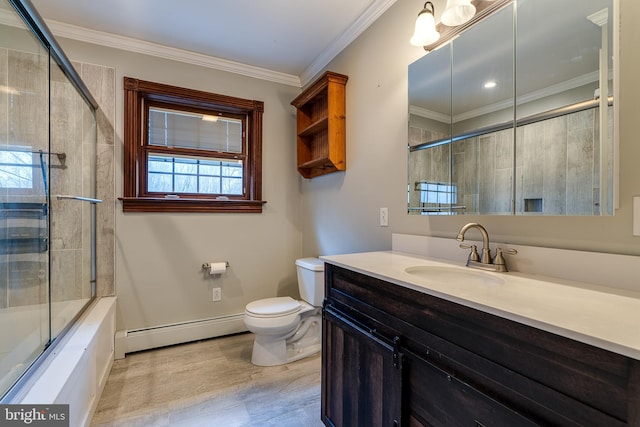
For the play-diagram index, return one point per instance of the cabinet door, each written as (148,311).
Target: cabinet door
(437,398)
(361,375)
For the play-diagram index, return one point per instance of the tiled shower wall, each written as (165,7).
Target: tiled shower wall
(557,162)
(26,71)
(101,82)
(69,251)
(70,227)
(70,221)
(431,164)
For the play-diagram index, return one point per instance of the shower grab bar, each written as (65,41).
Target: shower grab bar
(80,198)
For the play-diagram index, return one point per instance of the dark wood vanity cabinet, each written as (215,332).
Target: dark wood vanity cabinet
(364,371)
(393,356)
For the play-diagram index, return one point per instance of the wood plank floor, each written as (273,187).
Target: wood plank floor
(209,383)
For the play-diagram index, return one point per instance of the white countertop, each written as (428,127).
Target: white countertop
(603,317)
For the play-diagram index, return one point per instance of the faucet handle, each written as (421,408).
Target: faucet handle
(507,252)
(473,256)
(499,261)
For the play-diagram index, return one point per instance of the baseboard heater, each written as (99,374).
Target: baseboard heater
(129,341)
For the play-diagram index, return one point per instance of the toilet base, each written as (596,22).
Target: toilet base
(297,354)
(268,351)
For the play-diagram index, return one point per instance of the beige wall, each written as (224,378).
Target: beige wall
(158,257)
(340,211)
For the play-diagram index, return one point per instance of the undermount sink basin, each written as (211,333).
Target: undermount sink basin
(453,275)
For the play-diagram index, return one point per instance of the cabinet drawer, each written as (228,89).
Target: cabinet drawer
(438,398)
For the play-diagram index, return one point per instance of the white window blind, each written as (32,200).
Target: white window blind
(182,129)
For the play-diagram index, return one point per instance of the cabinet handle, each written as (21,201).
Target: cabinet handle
(372,333)
(396,352)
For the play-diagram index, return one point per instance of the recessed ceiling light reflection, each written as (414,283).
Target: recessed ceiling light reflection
(490,84)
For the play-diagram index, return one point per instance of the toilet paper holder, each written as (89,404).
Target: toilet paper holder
(207,265)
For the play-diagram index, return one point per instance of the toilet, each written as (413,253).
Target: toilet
(285,329)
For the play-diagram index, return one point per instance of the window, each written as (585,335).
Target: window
(437,197)
(190,151)
(16,169)
(167,174)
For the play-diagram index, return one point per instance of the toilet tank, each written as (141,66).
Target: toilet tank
(311,280)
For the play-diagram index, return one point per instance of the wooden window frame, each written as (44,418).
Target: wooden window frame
(138,96)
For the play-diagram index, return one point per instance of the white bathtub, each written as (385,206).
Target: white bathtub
(23,340)
(76,371)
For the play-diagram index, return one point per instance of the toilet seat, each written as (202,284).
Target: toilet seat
(273,307)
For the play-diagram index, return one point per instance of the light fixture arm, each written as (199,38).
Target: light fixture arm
(425,10)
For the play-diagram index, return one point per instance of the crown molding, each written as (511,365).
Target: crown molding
(491,108)
(10,18)
(74,32)
(373,12)
(533,96)
(154,49)
(429,114)
(599,18)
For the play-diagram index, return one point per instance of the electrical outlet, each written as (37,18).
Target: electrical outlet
(384,217)
(217,294)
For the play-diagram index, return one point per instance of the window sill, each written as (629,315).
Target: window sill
(149,204)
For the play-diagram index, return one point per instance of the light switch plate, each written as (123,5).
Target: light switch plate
(384,217)
(636,216)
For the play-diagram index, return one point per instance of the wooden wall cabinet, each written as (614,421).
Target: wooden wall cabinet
(321,126)
(392,356)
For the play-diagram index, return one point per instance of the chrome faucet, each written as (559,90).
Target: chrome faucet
(484,262)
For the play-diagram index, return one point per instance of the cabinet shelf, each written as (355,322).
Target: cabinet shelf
(316,163)
(320,126)
(314,128)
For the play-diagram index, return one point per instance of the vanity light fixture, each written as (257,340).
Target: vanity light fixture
(458,16)
(425,32)
(457,12)
(209,118)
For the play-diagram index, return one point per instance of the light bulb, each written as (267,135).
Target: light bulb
(425,32)
(457,12)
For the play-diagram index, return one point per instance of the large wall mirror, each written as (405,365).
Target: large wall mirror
(516,114)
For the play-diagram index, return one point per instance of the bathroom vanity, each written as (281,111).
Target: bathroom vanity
(410,340)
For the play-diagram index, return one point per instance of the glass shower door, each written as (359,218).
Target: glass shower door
(73,157)
(47,195)
(24,213)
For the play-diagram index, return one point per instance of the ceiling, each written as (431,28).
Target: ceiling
(290,37)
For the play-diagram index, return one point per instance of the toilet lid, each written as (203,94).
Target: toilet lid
(272,307)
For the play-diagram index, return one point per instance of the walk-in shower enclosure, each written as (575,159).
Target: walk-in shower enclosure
(47,193)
